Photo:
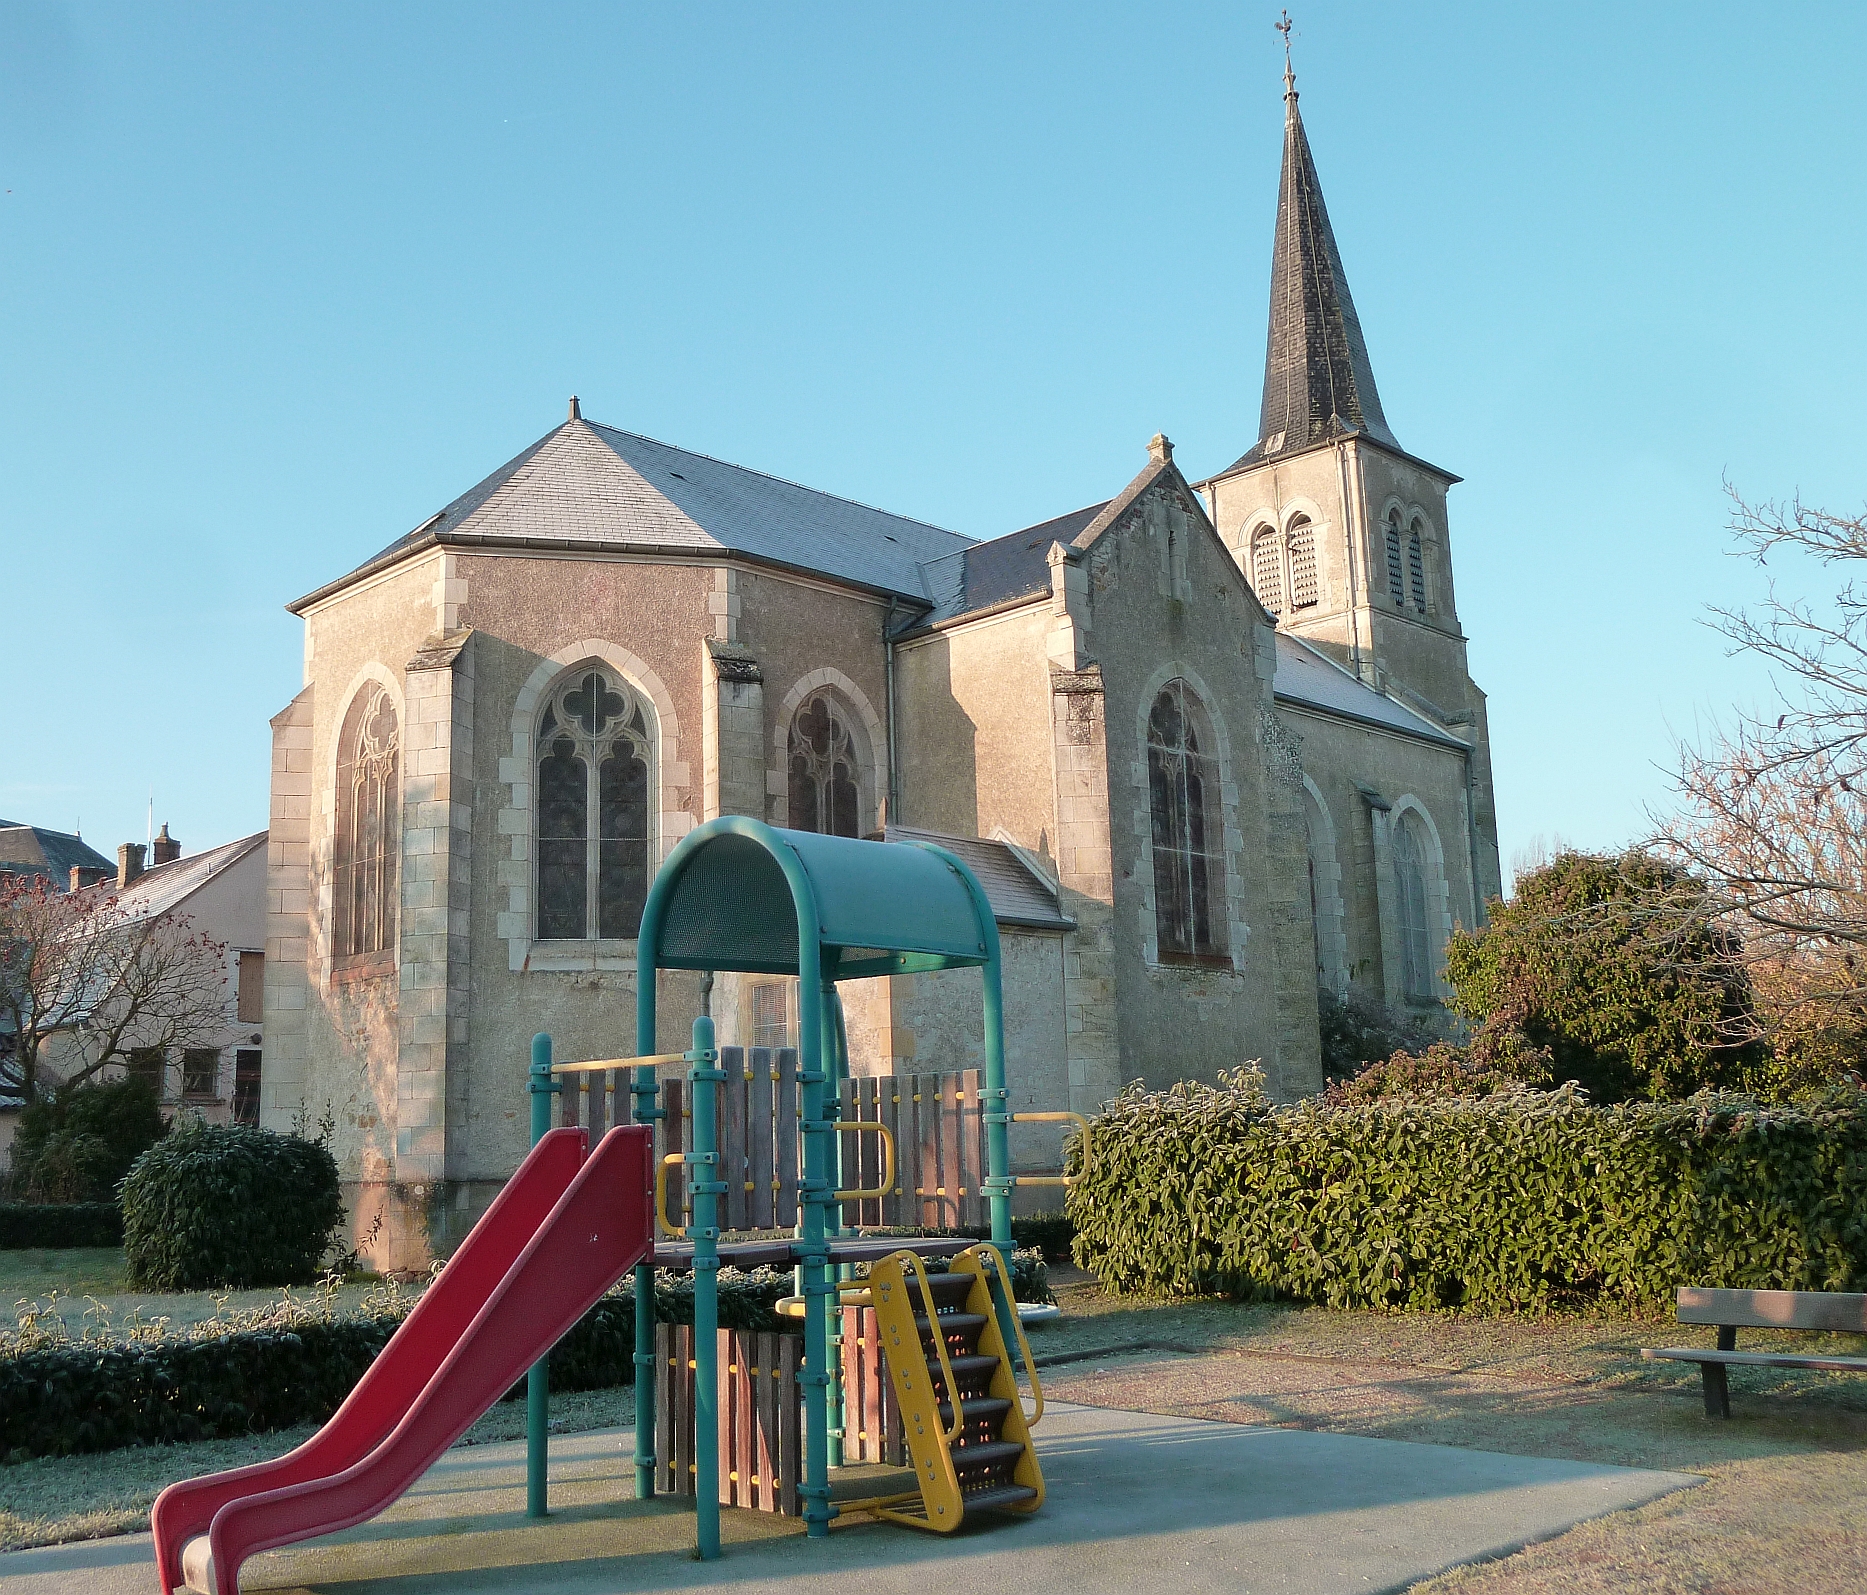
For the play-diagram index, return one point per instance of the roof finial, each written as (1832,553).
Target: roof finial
(1290,77)
(576,409)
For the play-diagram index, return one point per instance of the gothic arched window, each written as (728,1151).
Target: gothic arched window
(1396,581)
(367,847)
(1416,569)
(594,757)
(1267,570)
(1302,541)
(1188,827)
(825,794)
(1416,942)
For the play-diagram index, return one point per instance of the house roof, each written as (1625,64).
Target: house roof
(1021,895)
(986,575)
(168,886)
(584,486)
(1310,679)
(33,850)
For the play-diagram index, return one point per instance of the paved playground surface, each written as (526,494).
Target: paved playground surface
(1136,1502)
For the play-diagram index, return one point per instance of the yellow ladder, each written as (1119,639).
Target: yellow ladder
(968,1436)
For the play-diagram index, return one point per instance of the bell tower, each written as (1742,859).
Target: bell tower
(1340,531)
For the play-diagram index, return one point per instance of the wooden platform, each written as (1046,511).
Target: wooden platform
(782,1251)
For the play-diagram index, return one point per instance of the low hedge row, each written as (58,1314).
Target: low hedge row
(25,1225)
(296,1364)
(1524,1201)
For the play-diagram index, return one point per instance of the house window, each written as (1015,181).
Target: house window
(1416,568)
(250,1001)
(368,832)
(246,1085)
(1396,585)
(1183,799)
(1303,589)
(593,787)
(151,1066)
(821,759)
(200,1071)
(771,1014)
(1416,946)
(1267,570)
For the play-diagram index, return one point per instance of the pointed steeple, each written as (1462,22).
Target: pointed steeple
(1318,383)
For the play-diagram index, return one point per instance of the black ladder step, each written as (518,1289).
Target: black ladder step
(962,1366)
(951,1323)
(976,1409)
(996,1495)
(986,1454)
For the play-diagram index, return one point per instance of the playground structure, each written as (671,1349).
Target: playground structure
(762,1153)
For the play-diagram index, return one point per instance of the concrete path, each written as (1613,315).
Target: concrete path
(1136,1503)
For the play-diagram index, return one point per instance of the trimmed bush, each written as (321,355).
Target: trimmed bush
(1520,1201)
(229,1205)
(33,1224)
(77,1143)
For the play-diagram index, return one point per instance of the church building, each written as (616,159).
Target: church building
(1211,746)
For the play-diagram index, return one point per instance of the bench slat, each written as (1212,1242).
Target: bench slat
(1754,1359)
(1774,1309)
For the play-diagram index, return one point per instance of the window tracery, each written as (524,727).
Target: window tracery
(1416,943)
(367,851)
(594,754)
(1187,825)
(821,760)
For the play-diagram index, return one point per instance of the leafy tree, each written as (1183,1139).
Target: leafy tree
(1623,970)
(1359,1029)
(76,1143)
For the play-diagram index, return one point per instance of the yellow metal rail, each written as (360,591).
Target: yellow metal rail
(888,1161)
(1065,1180)
(604,1065)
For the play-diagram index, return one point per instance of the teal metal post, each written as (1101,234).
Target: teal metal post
(999,1181)
(819,1131)
(835,1067)
(542,1085)
(705,1188)
(647,1092)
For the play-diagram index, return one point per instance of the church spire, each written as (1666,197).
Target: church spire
(1318,383)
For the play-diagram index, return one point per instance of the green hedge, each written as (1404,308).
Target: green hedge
(1524,1201)
(44,1224)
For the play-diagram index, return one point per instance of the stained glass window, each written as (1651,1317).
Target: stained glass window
(593,809)
(1188,827)
(369,830)
(1416,946)
(822,786)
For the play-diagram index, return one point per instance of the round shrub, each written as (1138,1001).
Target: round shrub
(229,1205)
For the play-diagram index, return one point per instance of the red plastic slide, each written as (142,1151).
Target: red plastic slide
(439,1376)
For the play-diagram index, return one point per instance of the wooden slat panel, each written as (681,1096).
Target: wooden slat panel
(664,1408)
(726,1486)
(972,1143)
(785,1136)
(1842,1311)
(874,1158)
(733,1151)
(766,1421)
(674,1105)
(790,1428)
(760,1103)
(896,1205)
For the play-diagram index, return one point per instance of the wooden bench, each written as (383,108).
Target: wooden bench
(1732,1310)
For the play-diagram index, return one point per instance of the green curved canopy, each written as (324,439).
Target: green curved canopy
(732,894)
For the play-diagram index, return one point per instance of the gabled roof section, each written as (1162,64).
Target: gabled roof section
(1308,678)
(168,886)
(33,850)
(1021,896)
(585,486)
(1318,383)
(992,574)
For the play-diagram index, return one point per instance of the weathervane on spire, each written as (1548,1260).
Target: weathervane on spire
(1290,77)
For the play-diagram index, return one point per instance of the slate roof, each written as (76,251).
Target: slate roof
(986,575)
(1318,383)
(33,850)
(167,886)
(589,486)
(1021,895)
(1311,679)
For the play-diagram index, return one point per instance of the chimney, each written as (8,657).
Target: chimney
(167,848)
(129,863)
(77,877)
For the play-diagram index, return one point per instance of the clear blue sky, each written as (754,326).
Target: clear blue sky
(281,281)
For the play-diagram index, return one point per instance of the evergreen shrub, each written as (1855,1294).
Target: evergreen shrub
(75,1144)
(229,1205)
(56,1224)
(1520,1201)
